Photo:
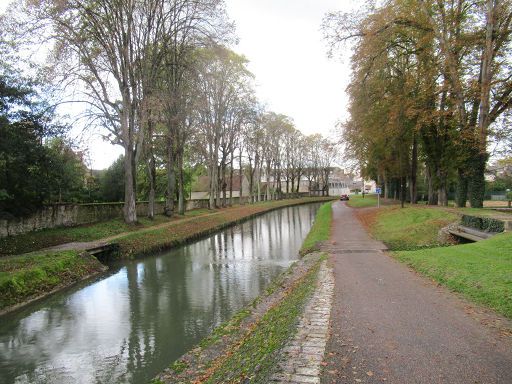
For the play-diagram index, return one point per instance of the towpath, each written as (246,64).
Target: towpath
(82,246)
(389,324)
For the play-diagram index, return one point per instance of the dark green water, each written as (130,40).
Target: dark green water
(127,326)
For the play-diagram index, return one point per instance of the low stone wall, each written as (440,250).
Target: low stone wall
(69,215)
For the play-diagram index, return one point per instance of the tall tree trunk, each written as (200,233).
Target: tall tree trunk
(414,171)
(385,183)
(269,197)
(462,189)
(259,185)
(211,186)
(251,183)
(231,171)
(477,180)
(403,190)
(241,174)
(223,185)
(214,177)
(130,208)
(152,182)
(181,183)
(151,168)
(442,196)
(171,177)
(432,198)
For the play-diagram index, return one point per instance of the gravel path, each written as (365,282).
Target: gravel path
(389,324)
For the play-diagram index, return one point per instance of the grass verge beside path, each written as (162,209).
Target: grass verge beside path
(32,275)
(320,230)
(256,355)
(411,227)
(357,201)
(480,271)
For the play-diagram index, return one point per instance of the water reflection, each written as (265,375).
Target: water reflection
(128,326)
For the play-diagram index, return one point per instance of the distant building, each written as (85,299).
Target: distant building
(498,171)
(201,186)
(341,183)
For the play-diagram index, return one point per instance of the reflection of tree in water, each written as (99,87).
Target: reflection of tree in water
(36,338)
(157,308)
(171,300)
(32,332)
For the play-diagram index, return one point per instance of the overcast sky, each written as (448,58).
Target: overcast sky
(283,42)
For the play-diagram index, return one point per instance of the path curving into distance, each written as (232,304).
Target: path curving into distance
(391,325)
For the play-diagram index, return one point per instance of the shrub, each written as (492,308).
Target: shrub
(485,224)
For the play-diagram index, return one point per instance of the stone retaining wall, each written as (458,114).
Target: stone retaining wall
(69,215)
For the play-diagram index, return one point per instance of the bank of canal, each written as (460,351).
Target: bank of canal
(126,327)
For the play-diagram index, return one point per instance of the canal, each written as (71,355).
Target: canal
(128,325)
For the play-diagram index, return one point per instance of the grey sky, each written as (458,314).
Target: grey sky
(283,42)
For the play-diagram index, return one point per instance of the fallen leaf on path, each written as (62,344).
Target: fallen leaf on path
(369,373)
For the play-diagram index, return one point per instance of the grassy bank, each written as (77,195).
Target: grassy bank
(247,347)
(411,227)
(150,241)
(481,271)
(34,241)
(131,233)
(28,276)
(320,231)
(256,355)
(357,201)
(407,228)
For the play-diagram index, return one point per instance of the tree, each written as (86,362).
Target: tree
(224,80)
(114,50)
(112,182)
(26,121)
(430,77)
(65,171)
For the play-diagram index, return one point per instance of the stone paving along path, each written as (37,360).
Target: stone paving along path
(390,325)
(302,357)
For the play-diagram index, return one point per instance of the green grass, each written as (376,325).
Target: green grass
(411,227)
(154,240)
(320,231)
(481,271)
(483,212)
(26,276)
(256,355)
(357,201)
(38,240)
(33,241)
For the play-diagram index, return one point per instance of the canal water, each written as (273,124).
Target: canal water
(127,326)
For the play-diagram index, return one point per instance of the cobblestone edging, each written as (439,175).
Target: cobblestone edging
(302,356)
